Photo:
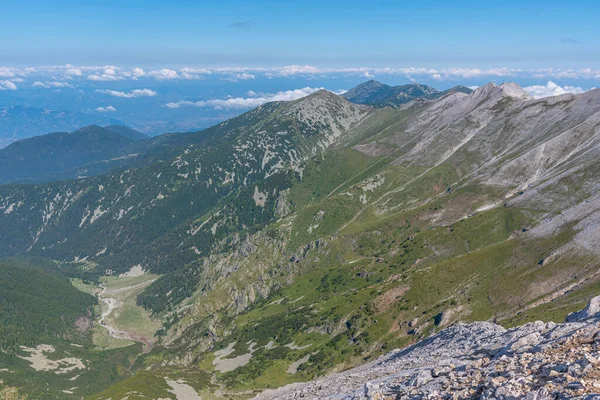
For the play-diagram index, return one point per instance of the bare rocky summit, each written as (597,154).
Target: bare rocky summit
(480,360)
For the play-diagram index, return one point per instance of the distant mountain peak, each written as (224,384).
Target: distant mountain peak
(20,122)
(320,98)
(373,83)
(507,89)
(513,89)
(128,132)
(378,94)
(324,108)
(320,93)
(87,128)
(55,155)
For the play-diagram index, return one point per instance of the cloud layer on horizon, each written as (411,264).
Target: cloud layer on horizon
(111,73)
(52,85)
(129,95)
(253,100)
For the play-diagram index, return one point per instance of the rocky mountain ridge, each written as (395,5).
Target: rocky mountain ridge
(425,140)
(480,360)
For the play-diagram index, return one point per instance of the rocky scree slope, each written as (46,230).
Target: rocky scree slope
(481,360)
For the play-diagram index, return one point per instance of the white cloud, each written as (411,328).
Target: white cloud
(74,72)
(586,73)
(6,72)
(408,72)
(109,73)
(129,95)
(52,85)
(104,78)
(138,72)
(290,70)
(240,77)
(106,109)
(194,73)
(254,99)
(164,74)
(551,89)
(7,85)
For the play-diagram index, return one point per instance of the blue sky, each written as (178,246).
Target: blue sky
(348,33)
(181,65)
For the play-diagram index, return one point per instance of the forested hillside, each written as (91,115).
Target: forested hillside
(37,306)
(56,155)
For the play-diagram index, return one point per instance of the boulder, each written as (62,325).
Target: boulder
(592,309)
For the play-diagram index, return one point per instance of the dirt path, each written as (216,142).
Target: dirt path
(111,305)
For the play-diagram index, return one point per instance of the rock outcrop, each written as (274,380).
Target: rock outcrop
(592,309)
(480,360)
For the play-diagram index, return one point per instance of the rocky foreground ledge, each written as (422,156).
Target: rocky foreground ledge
(481,360)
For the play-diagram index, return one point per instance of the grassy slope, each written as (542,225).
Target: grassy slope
(383,279)
(392,258)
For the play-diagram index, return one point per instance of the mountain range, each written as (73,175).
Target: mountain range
(63,155)
(19,122)
(310,236)
(378,94)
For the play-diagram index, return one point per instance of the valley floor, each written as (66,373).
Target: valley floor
(121,316)
(121,321)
